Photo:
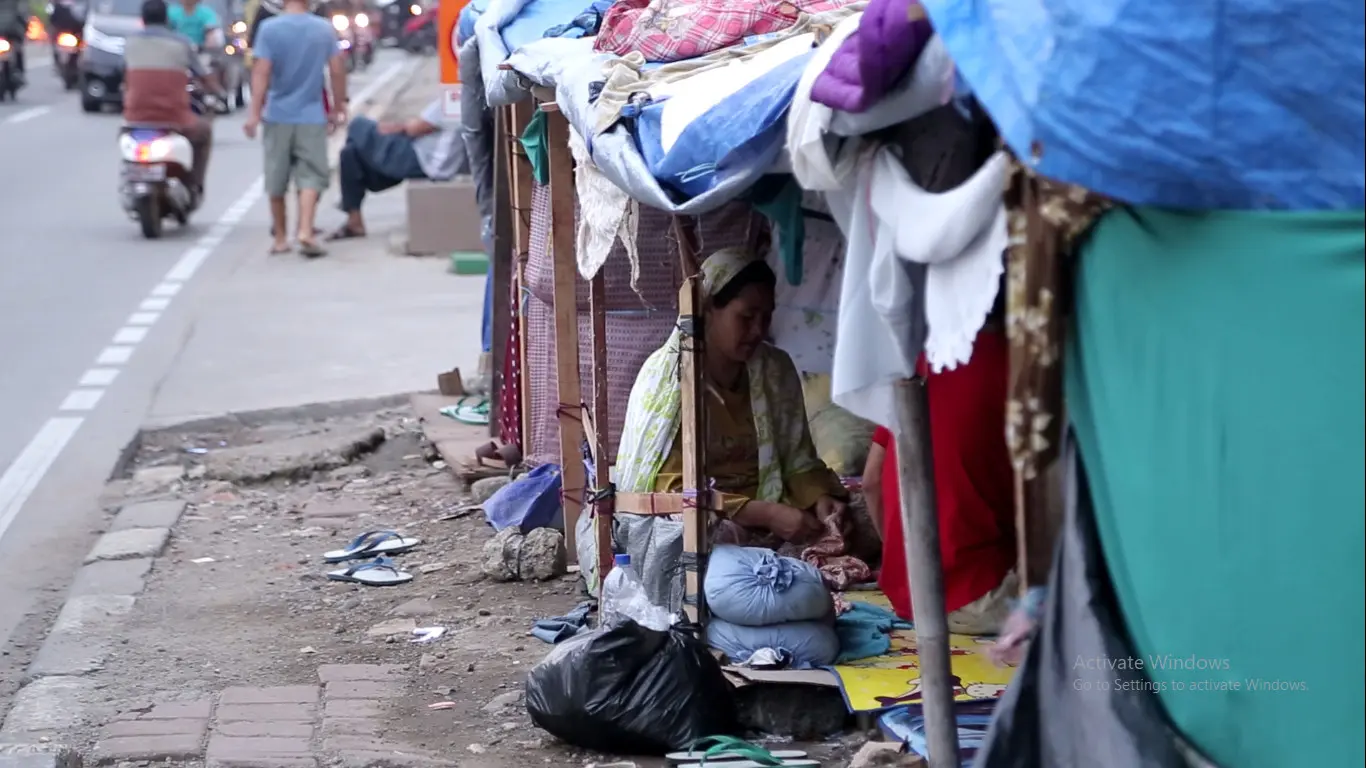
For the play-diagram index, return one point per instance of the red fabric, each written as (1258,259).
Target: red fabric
(973,480)
(671,30)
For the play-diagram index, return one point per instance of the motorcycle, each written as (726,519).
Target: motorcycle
(10,79)
(66,58)
(419,32)
(157,169)
(353,36)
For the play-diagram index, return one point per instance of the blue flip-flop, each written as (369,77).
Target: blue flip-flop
(371,544)
(380,572)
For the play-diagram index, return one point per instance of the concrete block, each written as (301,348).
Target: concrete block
(46,707)
(129,544)
(149,514)
(443,217)
(38,756)
(79,640)
(111,577)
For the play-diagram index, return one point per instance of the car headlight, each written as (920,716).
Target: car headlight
(340,23)
(102,42)
(239,27)
(362,20)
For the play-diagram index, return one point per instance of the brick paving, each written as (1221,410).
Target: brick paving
(171,731)
(286,726)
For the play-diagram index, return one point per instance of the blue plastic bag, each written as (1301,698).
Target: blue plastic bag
(808,643)
(531,501)
(756,587)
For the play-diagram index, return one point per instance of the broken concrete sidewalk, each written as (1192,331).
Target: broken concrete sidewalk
(295,457)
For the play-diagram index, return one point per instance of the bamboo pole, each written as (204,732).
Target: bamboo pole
(920,522)
(504,271)
(604,500)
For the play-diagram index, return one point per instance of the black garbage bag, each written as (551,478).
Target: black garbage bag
(632,690)
(1058,713)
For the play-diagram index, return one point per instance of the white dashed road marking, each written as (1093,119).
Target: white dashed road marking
(26,115)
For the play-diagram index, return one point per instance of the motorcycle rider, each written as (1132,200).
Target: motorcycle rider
(159,64)
(66,16)
(14,28)
(200,24)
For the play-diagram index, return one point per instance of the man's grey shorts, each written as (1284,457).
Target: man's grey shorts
(298,151)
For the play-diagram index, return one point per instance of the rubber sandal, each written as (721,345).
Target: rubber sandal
(311,249)
(344,232)
(469,410)
(380,572)
(370,544)
(720,751)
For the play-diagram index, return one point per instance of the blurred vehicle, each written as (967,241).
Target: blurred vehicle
(101,62)
(66,22)
(419,34)
(10,80)
(155,178)
(393,16)
(354,38)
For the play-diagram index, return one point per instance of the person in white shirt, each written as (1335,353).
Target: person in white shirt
(378,156)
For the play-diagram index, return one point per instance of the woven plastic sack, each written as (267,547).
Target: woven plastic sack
(756,587)
(809,643)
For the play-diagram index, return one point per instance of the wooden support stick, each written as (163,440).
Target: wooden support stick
(693,428)
(566,270)
(920,522)
(519,188)
(659,504)
(604,505)
(504,269)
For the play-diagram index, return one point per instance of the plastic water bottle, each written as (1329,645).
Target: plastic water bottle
(623,597)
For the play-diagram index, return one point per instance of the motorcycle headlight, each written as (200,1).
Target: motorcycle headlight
(362,20)
(67,40)
(415,9)
(239,27)
(340,23)
(4,45)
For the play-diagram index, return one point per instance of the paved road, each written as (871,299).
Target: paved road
(89,326)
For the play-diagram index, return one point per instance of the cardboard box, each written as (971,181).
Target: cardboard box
(443,217)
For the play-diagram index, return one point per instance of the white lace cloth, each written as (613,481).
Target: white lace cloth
(922,271)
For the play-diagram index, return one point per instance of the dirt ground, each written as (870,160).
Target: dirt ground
(239,596)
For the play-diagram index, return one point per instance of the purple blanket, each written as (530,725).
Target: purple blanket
(889,38)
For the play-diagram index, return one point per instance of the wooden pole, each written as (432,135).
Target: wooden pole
(920,522)
(519,188)
(503,268)
(604,504)
(692,427)
(566,273)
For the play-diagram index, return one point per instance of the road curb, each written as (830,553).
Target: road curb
(38,756)
(56,687)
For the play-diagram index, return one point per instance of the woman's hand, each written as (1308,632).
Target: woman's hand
(828,506)
(789,523)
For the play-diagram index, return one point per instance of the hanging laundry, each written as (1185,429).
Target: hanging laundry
(890,37)
(670,30)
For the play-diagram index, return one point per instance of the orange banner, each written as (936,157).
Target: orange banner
(448,16)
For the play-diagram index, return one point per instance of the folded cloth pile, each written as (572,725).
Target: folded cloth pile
(829,555)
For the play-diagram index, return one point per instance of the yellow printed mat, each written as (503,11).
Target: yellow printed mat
(893,679)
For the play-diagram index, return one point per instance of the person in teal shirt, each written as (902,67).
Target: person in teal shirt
(194,20)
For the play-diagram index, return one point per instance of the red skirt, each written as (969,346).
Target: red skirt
(973,481)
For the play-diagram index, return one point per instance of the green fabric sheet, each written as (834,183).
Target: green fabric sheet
(537,151)
(1215,381)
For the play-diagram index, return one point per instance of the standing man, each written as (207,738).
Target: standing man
(287,92)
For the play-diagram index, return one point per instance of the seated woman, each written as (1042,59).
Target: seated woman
(759,453)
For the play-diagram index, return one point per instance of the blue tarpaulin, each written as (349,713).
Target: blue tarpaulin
(1243,104)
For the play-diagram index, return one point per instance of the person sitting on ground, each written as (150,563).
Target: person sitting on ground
(759,452)
(378,156)
(973,483)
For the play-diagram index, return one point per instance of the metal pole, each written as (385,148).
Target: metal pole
(920,523)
